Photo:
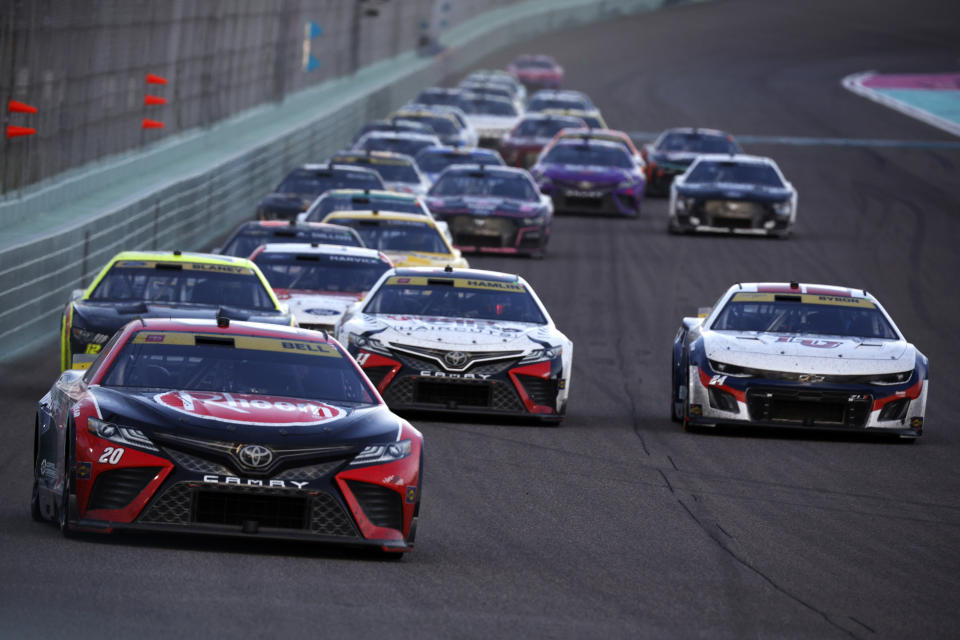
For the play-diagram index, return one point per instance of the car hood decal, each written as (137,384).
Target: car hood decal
(246,417)
(462,333)
(309,307)
(826,355)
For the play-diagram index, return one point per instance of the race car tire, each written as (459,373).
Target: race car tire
(35,511)
(65,504)
(675,414)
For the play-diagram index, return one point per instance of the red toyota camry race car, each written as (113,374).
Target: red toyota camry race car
(229,428)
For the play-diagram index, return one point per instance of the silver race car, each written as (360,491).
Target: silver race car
(798,355)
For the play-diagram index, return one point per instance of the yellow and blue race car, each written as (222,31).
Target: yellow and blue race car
(408,239)
(163,284)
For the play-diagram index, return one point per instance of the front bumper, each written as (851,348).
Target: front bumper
(730,216)
(187,490)
(494,388)
(496,234)
(717,400)
(595,199)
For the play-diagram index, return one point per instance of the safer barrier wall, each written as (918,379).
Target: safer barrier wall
(195,187)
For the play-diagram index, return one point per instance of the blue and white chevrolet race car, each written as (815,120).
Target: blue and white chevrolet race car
(801,356)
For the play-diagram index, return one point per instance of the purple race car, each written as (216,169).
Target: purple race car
(492,209)
(590,176)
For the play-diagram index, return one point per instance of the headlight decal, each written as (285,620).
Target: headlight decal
(383,453)
(120,434)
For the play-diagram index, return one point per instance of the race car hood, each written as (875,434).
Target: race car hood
(676,158)
(417,188)
(108,317)
(500,124)
(298,201)
(316,308)
(595,174)
(822,355)
(237,417)
(466,334)
(734,191)
(420,259)
(483,206)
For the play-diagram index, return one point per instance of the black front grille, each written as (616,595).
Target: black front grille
(458,394)
(809,407)
(315,512)
(405,391)
(384,507)
(233,507)
(478,240)
(542,391)
(731,223)
(115,489)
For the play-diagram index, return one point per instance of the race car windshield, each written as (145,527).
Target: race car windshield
(406,146)
(313,272)
(391,172)
(696,143)
(536,128)
(534,64)
(734,172)
(311,183)
(478,183)
(398,235)
(437,162)
(804,319)
(542,104)
(452,301)
(493,107)
(440,126)
(596,155)
(365,202)
(244,242)
(237,364)
(176,284)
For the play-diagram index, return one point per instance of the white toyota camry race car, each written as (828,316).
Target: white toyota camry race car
(460,340)
(798,355)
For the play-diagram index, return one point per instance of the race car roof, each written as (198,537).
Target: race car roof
(362,157)
(233,327)
(740,158)
(320,249)
(332,166)
(492,169)
(368,193)
(379,215)
(801,288)
(306,225)
(181,256)
(697,130)
(476,274)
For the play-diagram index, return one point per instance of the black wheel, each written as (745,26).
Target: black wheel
(35,512)
(64,503)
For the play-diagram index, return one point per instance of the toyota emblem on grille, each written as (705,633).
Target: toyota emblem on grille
(806,377)
(255,456)
(455,358)
(586,185)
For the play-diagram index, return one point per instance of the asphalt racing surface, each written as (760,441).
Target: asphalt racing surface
(618,524)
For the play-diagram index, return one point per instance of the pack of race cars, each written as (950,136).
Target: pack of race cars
(251,390)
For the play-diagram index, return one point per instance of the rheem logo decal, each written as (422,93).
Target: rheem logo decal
(248,409)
